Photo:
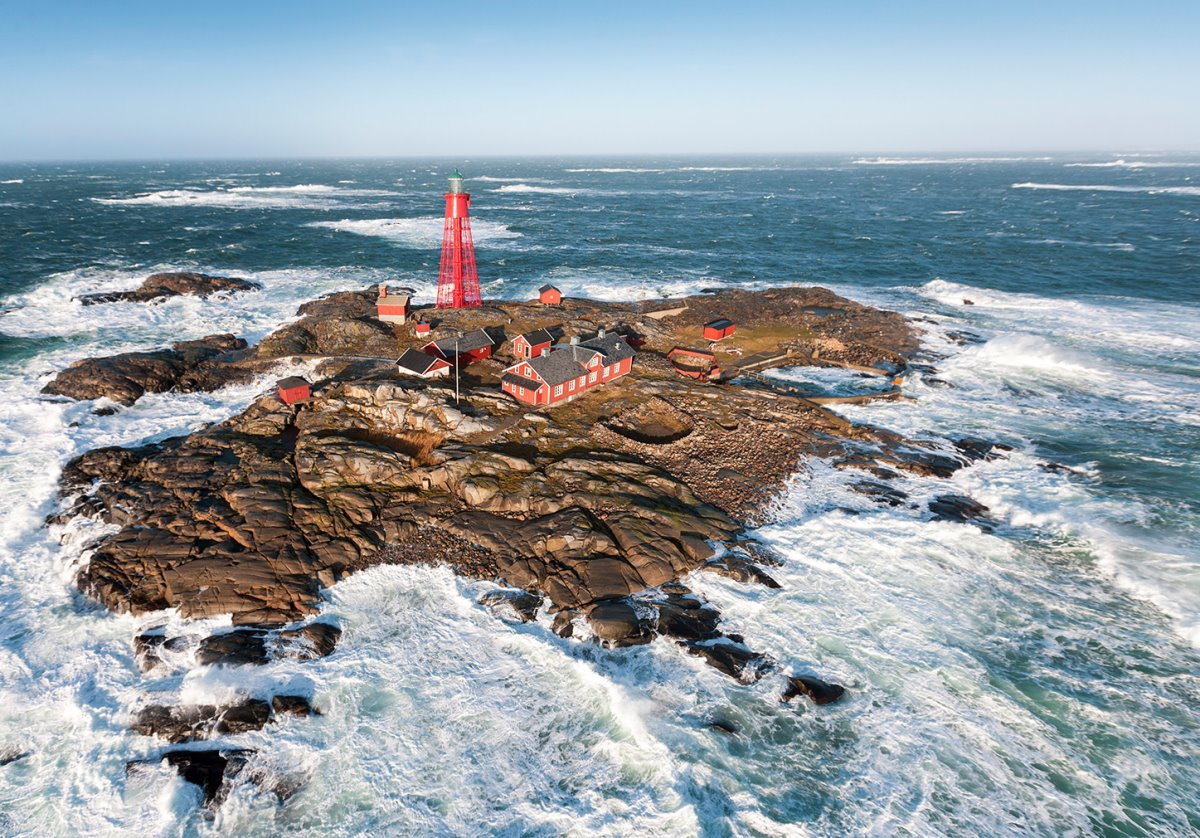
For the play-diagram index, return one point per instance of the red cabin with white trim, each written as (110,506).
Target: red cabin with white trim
(548,295)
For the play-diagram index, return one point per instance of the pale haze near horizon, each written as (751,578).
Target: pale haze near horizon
(149,80)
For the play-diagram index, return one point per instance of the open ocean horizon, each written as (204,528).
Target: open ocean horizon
(1040,679)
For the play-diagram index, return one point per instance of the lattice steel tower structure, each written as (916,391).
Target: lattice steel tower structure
(458,281)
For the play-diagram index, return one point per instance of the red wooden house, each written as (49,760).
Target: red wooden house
(560,374)
(531,344)
(468,348)
(422,328)
(718,329)
(391,308)
(548,295)
(293,389)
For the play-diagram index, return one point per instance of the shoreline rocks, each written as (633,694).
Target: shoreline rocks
(188,366)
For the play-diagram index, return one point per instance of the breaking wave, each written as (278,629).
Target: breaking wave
(934,161)
(15,180)
(1149,190)
(418,232)
(1132,164)
(522,188)
(302,196)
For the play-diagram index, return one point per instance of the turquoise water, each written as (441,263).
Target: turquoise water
(1041,679)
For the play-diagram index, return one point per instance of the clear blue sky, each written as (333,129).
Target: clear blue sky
(257,78)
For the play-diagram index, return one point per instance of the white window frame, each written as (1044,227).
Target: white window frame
(571,388)
(558,390)
(592,377)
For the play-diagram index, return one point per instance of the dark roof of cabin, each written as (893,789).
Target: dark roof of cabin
(548,287)
(719,324)
(538,337)
(471,341)
(520,381)
(292,381)
(612,346)
(416,361)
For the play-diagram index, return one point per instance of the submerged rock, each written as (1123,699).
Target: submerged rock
(12,753)
(740,570)
(519,604)
(617,623)
(960,509)
(814,688)
(211,770)
(186,723)
(732,657)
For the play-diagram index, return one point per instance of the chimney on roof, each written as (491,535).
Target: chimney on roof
(574,340)
(602,332)
(545,351)
(383,290)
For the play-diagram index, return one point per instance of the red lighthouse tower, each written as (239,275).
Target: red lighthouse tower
(458,281)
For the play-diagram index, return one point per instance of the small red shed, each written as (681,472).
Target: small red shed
(293,389)
(718,329)
(548,295)
(422,328)
(391,308)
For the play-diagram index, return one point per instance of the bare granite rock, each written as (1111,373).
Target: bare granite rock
(594,505)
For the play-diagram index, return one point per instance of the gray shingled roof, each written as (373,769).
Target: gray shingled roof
(562,364)
(291,381)
(612,346)
(471,341)
(547,287)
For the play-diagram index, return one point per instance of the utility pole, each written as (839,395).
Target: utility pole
(457,335)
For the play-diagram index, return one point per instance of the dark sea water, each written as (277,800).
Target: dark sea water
(1042,679)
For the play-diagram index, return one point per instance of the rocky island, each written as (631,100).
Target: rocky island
(592,513)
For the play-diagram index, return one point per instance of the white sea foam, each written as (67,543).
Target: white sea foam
(1149,190)
(614,170)
(522,188)
(1133,164)
(13,181)
(1122,246)
(935,161)
(300,196)
(417,232)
